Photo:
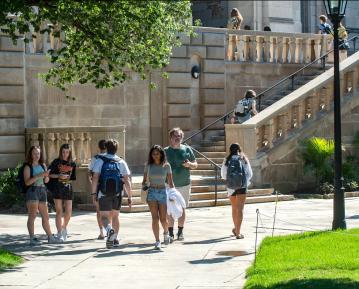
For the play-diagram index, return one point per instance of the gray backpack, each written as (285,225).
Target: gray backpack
(236,176)
(244,106)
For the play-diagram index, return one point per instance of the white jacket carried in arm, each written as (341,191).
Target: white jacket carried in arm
(175,203)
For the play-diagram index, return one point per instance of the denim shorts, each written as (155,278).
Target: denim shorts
(157,195)
(36,194)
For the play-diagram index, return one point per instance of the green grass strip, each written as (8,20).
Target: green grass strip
(318,260)
(8,260)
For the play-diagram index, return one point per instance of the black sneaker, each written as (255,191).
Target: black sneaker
(110,239)
(116,243)
(180,237)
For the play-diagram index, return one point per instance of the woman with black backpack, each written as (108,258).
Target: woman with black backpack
(35,176)
(63,172)
(237,172)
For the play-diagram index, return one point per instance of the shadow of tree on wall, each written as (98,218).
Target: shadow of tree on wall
(311,284)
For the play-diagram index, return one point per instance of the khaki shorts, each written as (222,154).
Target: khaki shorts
(185,192)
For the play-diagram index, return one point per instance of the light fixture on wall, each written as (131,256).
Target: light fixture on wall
(196,71)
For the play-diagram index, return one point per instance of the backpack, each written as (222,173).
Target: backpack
(236,177)
(244,106)
(20,182)
(325,27)
(110,183)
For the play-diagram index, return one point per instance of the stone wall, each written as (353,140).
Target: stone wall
(126,105)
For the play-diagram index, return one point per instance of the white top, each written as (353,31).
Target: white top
(124,170)
(247,169)
(93,160)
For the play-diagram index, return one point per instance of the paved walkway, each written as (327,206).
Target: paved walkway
(208,258)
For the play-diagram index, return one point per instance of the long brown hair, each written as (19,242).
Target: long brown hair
(234,149)
(235,13)
(29,159)
(65,146)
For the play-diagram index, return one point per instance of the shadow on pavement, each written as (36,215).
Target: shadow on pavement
(209,241)
(353,217)
(210,261)
(105,253)
(312,284)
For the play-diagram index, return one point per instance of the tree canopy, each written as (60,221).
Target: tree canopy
(103,38)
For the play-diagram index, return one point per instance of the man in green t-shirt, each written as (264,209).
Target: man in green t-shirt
(182,160)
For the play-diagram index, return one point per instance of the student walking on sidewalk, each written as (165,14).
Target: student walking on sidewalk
(157,174)
(110,175)
(237,172)
(182,160)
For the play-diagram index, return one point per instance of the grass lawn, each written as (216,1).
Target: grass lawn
(8,260)
(319,260)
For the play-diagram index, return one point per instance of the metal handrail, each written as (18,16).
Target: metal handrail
(216,168)
(259,96)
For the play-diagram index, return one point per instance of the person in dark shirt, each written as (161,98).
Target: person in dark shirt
(62,173)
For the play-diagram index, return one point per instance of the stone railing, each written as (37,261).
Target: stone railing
(41,43)
(83,140)
(275,47)
(272,125)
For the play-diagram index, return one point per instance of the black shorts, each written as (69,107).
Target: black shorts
(110,203)
(62,192)
(241,191)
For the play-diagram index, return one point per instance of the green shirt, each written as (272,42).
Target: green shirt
(176,157)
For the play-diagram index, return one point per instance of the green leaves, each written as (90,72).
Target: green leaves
(103,39)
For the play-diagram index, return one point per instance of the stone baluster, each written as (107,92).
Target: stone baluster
(240,48)
(282,126)
(307,50)
(298,50)
(279,50)
(87,146)
(57,142)
(253,48)
(292,49)
(79,147)
(51,147)
(308,108)
(266,49)
(260,48)
(246,48)
(317,43)
(71,142)
(355,79)
(270,133)
(260,137)
(34,139)
(315,104)
(288,122)
(285,50)
(42,143)
(273,49)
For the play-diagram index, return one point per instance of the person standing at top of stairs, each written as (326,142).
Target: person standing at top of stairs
(182,160)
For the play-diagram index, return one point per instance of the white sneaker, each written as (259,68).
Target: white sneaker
(60,237)
(64,234)
(110,238)
(54,240)
(35,241)
(158,245)
(166,238)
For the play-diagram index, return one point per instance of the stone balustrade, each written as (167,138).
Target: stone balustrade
(83,140)
(275,47)
(274,124)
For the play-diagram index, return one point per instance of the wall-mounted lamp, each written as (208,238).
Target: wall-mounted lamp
(196,71)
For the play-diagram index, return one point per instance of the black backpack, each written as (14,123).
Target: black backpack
(20,182)
(110,183)
(236,176)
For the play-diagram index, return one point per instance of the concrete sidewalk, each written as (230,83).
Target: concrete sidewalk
(208,258)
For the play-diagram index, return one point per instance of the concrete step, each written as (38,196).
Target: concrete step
(207,143)
(211,148)
(206,180)
(211,155)
(207,188)
(218,138)
(206,166)
(204,161)
(202,172)
(199,203)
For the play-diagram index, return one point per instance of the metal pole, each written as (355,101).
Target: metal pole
(215,186)
(338,207)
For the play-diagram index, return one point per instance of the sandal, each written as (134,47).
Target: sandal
(240,236)
(100,237)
